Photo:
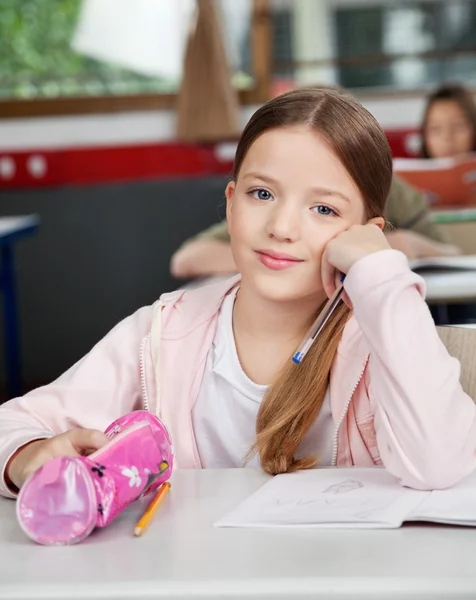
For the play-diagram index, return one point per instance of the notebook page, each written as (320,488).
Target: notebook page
(444,264)
(343,498)
(455,505)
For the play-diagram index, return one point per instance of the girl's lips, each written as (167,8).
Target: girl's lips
(277,262)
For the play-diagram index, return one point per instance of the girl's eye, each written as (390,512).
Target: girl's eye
(261,194)
(324,210)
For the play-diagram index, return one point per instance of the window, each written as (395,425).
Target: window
(374,44)
(74,56)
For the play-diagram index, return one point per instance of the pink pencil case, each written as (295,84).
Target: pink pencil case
(65,499)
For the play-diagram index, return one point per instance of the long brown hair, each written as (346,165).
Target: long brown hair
(450,92)
(294,399)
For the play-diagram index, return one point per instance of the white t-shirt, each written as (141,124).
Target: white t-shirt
(224,415)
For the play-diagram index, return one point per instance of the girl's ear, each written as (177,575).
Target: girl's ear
(230,194)
(379,221)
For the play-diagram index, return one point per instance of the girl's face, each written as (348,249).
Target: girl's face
(448,132)
(291,197)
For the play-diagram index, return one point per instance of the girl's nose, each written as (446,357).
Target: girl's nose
(284,223)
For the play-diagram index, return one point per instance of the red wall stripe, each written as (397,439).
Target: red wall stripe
(83,166)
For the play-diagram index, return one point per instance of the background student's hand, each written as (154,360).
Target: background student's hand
(203,258)
(29,458)
(416,245)
(347,248)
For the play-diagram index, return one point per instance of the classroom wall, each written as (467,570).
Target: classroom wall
(101,252)
(392,112)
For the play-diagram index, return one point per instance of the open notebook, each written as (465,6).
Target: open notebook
(444,264)
(351,498)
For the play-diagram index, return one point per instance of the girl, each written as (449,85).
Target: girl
(448,130)
(449,123)
(312,171)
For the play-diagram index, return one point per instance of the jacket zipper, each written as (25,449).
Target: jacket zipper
(145,397)
(344,412)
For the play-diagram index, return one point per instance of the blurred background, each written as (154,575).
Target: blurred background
(119,120)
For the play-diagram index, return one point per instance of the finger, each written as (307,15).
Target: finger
(32,467)
(84,440)
(338,280)
(328,273)
(347,300)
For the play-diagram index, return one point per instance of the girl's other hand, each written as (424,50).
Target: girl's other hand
(29,458)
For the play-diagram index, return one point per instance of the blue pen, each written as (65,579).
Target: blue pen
(319,323)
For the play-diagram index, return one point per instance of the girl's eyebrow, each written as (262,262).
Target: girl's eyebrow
(318,191)
(256,175)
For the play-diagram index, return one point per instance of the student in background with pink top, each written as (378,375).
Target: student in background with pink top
(312,172)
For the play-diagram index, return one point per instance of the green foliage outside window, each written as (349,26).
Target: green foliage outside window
(37,61)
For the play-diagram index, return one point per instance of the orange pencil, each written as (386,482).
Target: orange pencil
(151,509)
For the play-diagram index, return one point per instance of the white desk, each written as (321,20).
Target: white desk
(449,287)
(183,557)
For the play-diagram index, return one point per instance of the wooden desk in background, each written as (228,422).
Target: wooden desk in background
(459,225)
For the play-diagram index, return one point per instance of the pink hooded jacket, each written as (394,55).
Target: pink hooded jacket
(395,393)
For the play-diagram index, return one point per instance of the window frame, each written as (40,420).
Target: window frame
(83,105)
(378,59)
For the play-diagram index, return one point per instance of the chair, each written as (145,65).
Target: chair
(461,343)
